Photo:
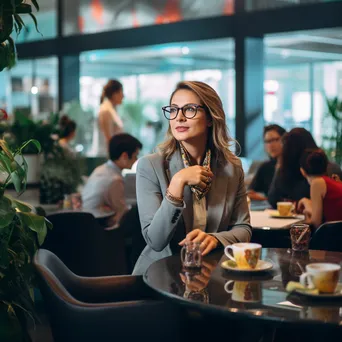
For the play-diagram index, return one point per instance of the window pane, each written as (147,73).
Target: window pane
(287,99)
(149,76)
(327,83)
(31,86)
(47,23)
(90,16)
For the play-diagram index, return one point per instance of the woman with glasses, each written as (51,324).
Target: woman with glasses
(258,189)
(193,189)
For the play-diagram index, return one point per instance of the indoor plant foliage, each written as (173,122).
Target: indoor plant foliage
(334,140)
(21,233)
(10,11)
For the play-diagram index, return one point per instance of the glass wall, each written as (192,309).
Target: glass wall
(47,23)
(90,16)
(295,96)
(149,75)
(31,87)
(252,5)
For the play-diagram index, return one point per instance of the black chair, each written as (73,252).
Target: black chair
(328,237)
(85,246)
(104,308)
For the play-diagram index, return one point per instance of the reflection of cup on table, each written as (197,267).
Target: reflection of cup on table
(244,291)
(325,314)
(246,255)
(321,276)
(300,237)
(285,208)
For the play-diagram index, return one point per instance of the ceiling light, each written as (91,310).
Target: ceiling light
(34,90)
(185,50)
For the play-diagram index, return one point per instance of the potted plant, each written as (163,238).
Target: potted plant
(25,128)
(334,140)
(21,233)
(10,20)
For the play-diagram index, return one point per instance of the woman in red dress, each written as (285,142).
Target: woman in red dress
(325,204)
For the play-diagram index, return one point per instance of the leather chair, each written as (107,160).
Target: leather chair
(86,247)
(328,237)
(104,308)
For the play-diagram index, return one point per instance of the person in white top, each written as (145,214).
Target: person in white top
(109,121)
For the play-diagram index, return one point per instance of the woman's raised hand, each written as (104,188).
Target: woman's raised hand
(195,175)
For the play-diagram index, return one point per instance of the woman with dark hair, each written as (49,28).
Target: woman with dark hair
(326,194)
(109,121)
(67,133)
(288,183)
(258,189)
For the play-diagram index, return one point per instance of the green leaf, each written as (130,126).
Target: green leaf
(6,212)
(48,224)
(31,141)
(35,22)
(19,21)
(20,205)
(35,4)
(35,223)
(23,8)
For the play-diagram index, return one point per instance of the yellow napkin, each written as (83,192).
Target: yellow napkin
(295,286)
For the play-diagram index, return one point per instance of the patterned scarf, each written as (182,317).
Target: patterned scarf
(199,192)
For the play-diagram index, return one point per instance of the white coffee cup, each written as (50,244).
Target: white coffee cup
(246,255)
(321,276)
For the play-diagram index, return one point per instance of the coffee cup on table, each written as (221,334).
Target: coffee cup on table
(284,208)
(246,255)
(321,276)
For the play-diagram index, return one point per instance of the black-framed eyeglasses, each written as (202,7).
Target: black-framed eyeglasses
(189,111)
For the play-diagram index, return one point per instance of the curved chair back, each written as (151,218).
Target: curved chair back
(84,246)
(328,237)
(102,308)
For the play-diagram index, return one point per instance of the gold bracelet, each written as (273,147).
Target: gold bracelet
(173,198)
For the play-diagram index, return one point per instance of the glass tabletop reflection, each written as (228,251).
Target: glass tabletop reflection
(257,295)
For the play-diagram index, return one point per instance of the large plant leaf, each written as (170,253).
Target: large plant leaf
(35,4)
(36,223)
(33,142)
(20,205)
(6,212)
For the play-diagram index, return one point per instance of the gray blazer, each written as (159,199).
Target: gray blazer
(228,215)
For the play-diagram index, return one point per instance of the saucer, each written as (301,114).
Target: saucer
(336,295)
(261,266)
(275,214)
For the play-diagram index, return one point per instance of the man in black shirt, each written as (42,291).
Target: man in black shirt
(261,182)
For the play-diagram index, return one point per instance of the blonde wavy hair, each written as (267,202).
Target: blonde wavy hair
(219,140)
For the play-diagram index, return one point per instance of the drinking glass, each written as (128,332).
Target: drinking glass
(300,237)
(191,255)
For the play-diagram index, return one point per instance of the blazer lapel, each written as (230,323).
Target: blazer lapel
(217,198)
(176,164)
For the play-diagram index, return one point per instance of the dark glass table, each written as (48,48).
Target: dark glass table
(257,296)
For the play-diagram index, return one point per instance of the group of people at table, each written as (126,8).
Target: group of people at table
(193,188)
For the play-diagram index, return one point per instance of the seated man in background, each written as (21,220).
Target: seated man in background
(105,186)
(261,182)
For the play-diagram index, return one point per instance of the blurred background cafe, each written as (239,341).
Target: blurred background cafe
(272,62)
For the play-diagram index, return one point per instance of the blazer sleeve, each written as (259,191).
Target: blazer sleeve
(158,216)
(240,229)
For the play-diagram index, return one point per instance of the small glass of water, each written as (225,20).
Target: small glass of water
(191,255)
